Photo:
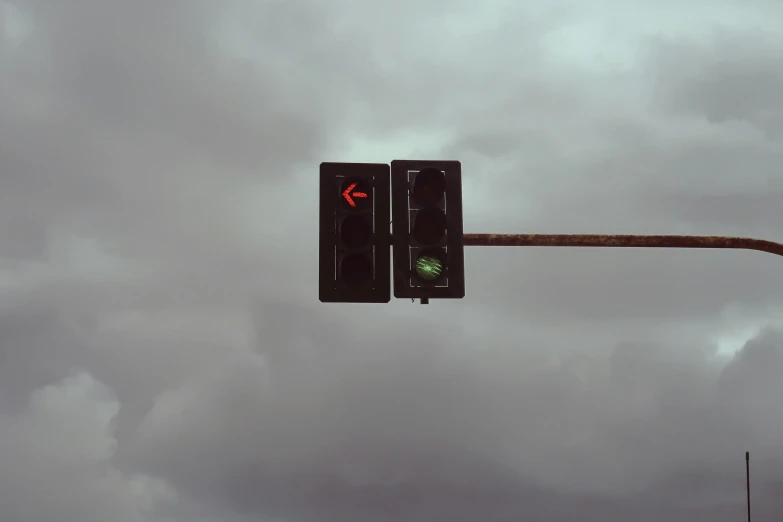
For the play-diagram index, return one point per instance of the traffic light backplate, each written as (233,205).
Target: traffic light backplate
(427,229)
(354,237)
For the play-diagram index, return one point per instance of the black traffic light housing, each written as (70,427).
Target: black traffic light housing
(427,247)
(354,233)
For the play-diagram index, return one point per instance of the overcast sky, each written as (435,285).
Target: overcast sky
(164,356)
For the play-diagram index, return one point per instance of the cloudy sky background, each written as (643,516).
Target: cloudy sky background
(164,356)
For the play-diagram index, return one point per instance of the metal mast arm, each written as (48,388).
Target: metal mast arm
(623,241)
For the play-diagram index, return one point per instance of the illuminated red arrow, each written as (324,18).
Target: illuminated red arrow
(348,194)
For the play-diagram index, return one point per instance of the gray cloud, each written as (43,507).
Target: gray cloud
(365,429)
(163,356)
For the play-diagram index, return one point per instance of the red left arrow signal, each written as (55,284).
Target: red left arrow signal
(349,194)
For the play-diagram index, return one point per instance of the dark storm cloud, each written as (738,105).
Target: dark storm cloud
(27,360)
(153,70)
(645,172)
(162,353)
(729,81)
(139,113)
(414,430)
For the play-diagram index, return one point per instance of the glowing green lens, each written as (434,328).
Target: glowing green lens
(429,267)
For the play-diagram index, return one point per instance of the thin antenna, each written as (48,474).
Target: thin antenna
(747,480)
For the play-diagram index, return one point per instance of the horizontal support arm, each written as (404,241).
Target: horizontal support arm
(623,240)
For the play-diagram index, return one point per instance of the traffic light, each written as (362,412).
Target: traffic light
(354,233)
(427,229)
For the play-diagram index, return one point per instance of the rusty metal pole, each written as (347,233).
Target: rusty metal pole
(623,241)
(747,480)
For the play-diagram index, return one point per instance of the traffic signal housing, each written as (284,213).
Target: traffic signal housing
(427,229)
(354,233)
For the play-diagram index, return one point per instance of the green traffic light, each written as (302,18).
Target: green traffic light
(429,267)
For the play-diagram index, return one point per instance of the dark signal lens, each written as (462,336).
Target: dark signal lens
(429,186)
(429,226)
(356,269)
(356,231)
